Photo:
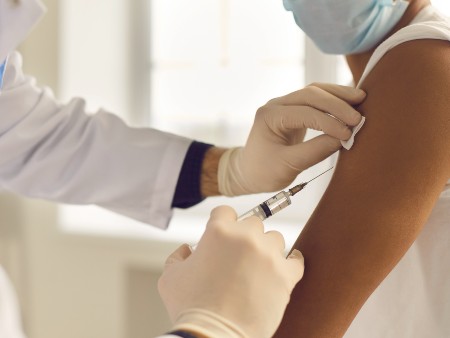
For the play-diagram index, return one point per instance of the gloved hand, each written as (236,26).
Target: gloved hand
(275,152)
(237,283)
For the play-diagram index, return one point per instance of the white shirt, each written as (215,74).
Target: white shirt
(414,299)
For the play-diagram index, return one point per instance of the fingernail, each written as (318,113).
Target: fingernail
(358,117)
(362,92)
(357,113)
(296,254)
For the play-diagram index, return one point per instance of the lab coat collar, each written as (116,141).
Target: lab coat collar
(17,19)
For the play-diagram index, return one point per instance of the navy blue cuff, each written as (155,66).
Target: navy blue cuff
(187,191)
(182,334)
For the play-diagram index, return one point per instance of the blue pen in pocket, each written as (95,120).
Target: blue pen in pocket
(2,71)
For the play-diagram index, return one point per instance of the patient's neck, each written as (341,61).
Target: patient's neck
(358,62)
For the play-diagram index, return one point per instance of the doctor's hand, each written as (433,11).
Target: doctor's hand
(237,283)
(275,152)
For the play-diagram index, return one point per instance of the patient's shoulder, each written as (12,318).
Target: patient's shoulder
(408,103)
(423,56)
(412,77)
(434,32)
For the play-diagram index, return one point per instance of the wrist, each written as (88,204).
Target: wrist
(209,185)
(187,192)
(206,324)
(230,175)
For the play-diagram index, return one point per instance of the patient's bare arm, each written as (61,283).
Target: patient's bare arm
(381,194)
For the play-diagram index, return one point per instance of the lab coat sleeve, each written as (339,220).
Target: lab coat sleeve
(59,152)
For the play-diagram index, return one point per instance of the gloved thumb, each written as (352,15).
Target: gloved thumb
(295,266)
(313,151)
(179,255)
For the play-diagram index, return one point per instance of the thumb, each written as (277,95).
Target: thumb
(179,255)
(295,266)
(313,151)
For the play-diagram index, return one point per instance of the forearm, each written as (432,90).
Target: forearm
(208,180)
(198,175)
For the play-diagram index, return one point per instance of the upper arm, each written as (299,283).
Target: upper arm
(381,193)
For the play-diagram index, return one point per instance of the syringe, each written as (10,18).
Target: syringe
(274,204)
(277,202)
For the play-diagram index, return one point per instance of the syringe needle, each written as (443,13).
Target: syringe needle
(312,179)
(300,186)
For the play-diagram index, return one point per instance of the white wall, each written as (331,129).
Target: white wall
(77,286)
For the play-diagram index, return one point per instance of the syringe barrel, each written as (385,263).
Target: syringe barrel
(269,207)
(256,211)
(278,202)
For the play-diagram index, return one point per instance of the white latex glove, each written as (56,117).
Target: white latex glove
(275,152)
(237,283)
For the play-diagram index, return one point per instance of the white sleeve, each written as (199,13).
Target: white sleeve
(58,152)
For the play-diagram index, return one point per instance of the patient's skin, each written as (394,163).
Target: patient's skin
(382,191)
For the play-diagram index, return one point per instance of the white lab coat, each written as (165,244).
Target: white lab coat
(59,152)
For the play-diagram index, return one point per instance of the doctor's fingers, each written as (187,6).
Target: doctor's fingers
(294,117)
(221,221)
(222,213)
(308,153)
(295,267)
(274,240)
(179,255)
(224,228)
(325,101)
(351,95)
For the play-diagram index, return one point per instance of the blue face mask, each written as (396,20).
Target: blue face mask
(346,26)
